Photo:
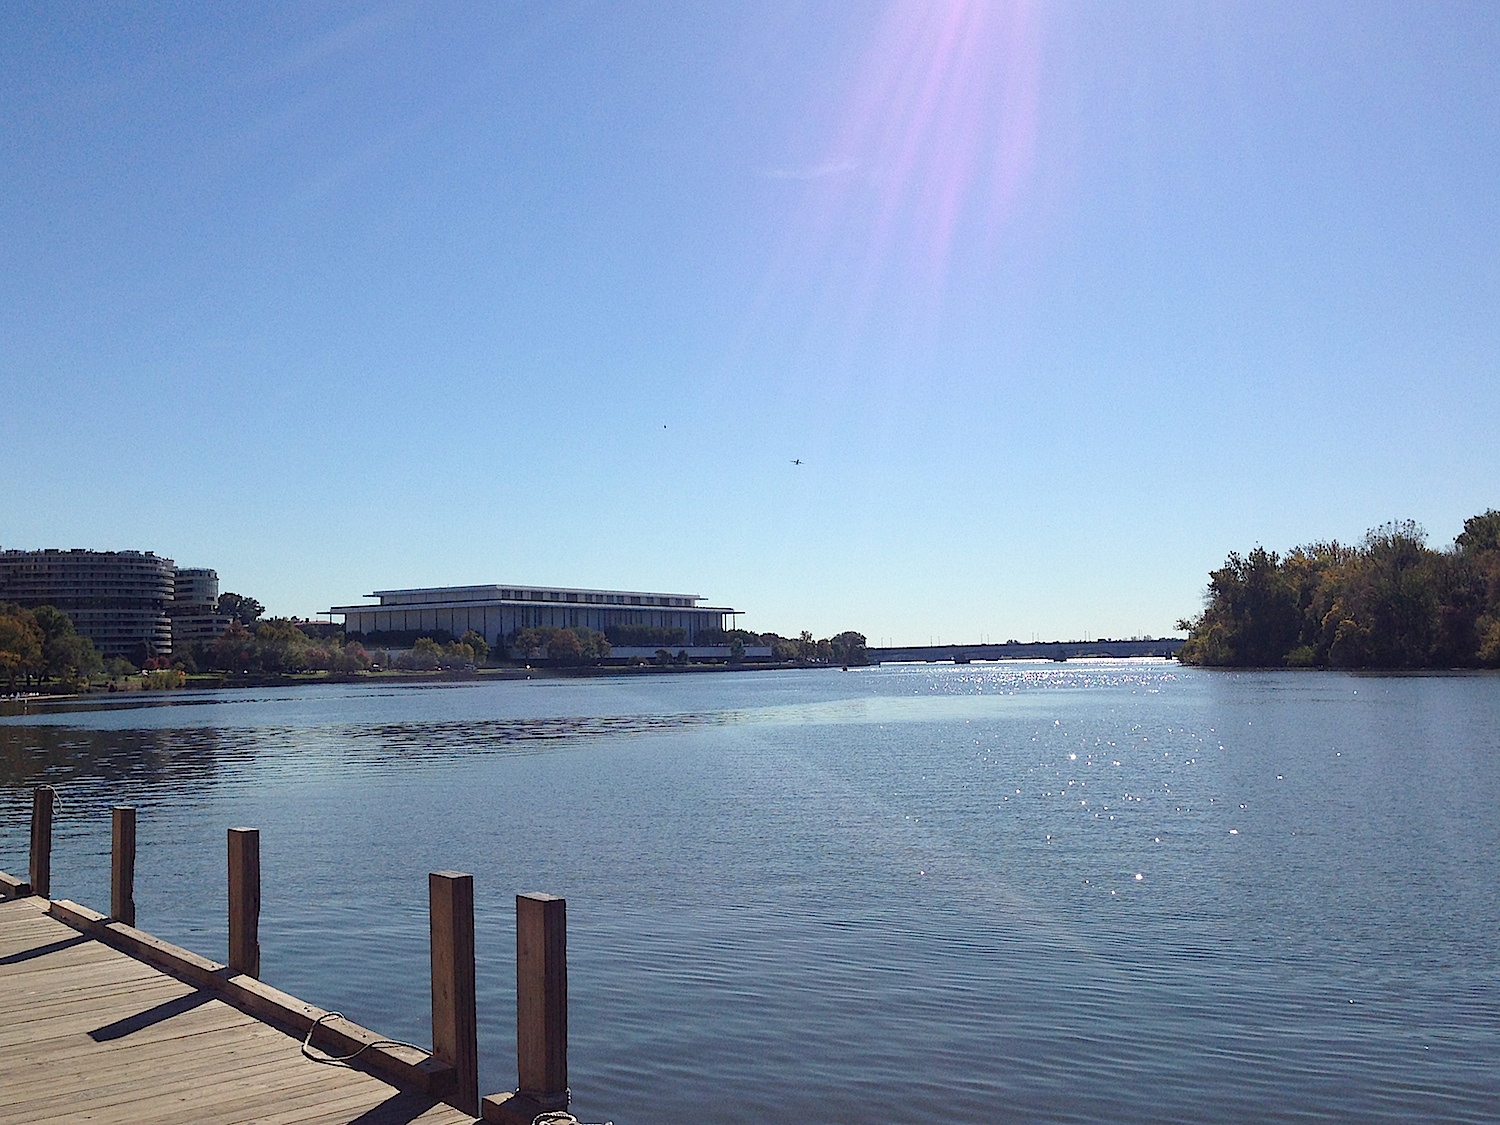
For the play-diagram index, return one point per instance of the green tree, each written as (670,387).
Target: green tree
(1390,602)
(65,655)
(281,647)
(238,607)
(21,641)
(849,648)
(1251,617)
(426,654)
(580,645)
(457,654)
(1489,642)
(1398,595)
(785,648)
(117,668)
(478,645)
(1478,548)
(234,649)
(1480,533)
(73,658)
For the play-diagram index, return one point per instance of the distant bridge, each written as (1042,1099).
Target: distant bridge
(1033,650)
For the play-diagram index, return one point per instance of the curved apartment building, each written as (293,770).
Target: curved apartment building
(194,610)
(118,599)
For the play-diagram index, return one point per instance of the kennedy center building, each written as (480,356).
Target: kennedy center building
(496,612)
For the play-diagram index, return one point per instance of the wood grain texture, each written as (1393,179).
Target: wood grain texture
(87,1032)
(42,798)
(403,1066)
(542,999)
(244,900)
(11,887)
(122,864)
(455,1024)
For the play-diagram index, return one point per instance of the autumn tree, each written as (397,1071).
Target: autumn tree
(65,654)
(20,646)
(1390,602)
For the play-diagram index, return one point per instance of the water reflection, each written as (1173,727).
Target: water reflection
(119,760)
(1074,893)
(55,752)
(442,739)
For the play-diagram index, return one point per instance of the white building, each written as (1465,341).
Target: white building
(495,612)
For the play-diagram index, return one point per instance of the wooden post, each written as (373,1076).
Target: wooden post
(122,864)
(455,1025)
(42,798)
(244,900)
(542,999)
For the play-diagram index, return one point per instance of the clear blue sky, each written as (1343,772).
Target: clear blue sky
(1057,303)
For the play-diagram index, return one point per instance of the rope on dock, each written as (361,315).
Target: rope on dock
(343,1060)
(559,1117)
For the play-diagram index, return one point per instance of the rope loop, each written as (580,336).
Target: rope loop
(559,1117)
(343,1060)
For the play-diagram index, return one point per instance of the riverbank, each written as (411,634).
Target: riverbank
(217,681)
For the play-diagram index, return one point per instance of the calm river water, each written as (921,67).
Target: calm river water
(1083,892)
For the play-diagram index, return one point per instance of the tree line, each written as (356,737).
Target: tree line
(281,646)
(41,646)
(580,645)
(276,646)
(1390,601)
(38,646)
(846,648)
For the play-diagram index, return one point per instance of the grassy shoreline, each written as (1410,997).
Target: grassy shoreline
(216,681)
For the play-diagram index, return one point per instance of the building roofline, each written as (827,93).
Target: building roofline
(413,606)
(532,586)
(80,551)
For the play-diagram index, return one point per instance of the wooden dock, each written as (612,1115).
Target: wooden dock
(88,1033)
(102,1022)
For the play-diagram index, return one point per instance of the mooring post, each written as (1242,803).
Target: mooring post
(122,864)
(42,798)
(455,1024)
(542,999)
(244,900)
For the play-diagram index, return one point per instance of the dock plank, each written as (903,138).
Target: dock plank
(209,1019)
(261,1074)
(89,1033)
(81,1007)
